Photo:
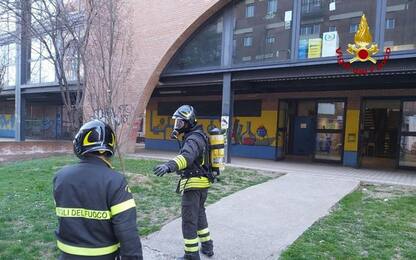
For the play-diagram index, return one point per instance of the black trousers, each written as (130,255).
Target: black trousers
(194,222)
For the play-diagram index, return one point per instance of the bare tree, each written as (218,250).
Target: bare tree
(62,28)
(3,68)
(109,65)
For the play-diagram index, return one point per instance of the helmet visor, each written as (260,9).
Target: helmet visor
(179,124)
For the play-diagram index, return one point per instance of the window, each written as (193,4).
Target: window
(72,6)
(408,139)
(8,62)
(250,10)
(310,29)
(270,39)
(305,30)
(42,11)
(248,41)
(269,28)
(329,131)
(202,50)
(309,6)
(326,27)
(353,28)
(7,20)
(390,23)
(400,31)
(271,7)
(42,68)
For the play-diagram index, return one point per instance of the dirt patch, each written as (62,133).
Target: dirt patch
(26,157)
(136,179)
(48,249)
(20,226)
(260,172)
(383,192)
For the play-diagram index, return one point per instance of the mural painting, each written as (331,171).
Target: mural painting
(258,131)
(160,127)
(7,125)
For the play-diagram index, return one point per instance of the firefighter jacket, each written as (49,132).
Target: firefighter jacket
(192,161)
(96,211)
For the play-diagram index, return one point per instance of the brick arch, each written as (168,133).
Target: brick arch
(160,29)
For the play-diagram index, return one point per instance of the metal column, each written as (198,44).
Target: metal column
(21,72)
(227,111)
(18,100)
(227,92)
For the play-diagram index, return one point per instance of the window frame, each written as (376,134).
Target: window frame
(272,7)
(387,23)
(248,41)
(250,10)
(355,26)
(378,30)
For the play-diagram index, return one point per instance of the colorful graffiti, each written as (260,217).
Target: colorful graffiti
(242,132)
(258,131)
(7,125)
(160,127)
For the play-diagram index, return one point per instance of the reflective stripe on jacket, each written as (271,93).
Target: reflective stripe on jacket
(96,211)
(191,162)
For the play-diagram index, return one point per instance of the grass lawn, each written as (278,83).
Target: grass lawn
(27,211)
(375,222)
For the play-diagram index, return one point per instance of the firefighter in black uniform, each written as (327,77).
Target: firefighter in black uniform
(95,208)
(191,165)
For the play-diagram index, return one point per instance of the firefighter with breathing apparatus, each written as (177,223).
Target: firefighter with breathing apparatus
(200,160)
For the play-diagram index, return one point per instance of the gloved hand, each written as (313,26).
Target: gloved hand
(161,170)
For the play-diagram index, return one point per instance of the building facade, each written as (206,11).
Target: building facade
(31,105)
(268,66)
(271,67)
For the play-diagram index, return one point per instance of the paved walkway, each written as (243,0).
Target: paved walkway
(261,221)
(258,222)
(398,177)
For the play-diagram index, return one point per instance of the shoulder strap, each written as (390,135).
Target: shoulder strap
(207,153)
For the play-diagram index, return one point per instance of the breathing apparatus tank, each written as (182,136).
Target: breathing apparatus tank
(216,141)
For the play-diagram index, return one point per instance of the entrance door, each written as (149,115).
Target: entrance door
(407,154)
(302,128)
(330,131)
(303,142)
(380,133)
(282,130)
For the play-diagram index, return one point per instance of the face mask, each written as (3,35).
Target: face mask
(177,128)
(179,124)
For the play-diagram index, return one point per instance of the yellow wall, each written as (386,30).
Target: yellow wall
(245,130)
(255,130)
(160,127)
(351,130)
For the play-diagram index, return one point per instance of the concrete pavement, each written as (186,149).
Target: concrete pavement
(261,221)
(396,177)
(258,222)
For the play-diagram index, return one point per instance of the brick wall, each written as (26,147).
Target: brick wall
(159,28)
(34,147)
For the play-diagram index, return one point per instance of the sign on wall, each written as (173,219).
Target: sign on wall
(314,49)
(225,122)
(330,44)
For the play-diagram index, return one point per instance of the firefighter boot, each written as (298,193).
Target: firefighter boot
(207,248)
(189,256)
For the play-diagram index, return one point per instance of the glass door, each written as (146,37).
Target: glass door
(407,157)
(282,130)
(329,131)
